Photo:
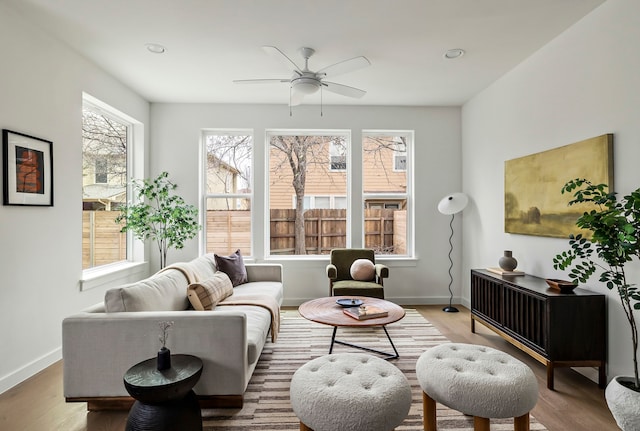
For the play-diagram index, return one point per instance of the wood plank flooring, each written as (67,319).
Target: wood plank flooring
(577,403)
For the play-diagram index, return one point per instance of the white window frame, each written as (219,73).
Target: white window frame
(203,185)
(408,195)
(135,266)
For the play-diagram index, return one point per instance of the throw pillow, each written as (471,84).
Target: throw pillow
(205,295)
(362,270)
(233,266)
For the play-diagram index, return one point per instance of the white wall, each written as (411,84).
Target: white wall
(176,130)
(584,83)
(41,85)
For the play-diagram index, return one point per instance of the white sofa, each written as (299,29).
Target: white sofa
(98,345)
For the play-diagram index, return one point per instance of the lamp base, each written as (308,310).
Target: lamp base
(450,309)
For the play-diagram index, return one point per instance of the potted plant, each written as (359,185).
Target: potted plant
(160,215)
(615,241)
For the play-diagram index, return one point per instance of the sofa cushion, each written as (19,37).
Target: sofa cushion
(362,270)
(271,288)
(233,266)
(164,291)
(205,295)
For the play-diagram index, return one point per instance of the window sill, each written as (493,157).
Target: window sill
(116,273)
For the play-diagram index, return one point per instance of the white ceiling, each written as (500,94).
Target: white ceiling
(212,42)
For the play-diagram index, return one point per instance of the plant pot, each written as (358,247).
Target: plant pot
(624,404)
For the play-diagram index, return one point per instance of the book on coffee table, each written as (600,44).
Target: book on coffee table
(365,312)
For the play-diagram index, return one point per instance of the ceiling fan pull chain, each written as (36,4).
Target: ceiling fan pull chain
(321,100)
(290,91)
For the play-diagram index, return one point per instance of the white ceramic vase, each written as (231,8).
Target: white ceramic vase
(624,404)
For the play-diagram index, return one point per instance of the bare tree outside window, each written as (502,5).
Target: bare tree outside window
(298,162)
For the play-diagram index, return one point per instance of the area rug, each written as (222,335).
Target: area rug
(267,406)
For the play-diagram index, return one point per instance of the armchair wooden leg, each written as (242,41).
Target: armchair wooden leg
(428,413)
(303,427)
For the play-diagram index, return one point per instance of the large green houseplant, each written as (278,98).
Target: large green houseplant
(159,215)
(615,242)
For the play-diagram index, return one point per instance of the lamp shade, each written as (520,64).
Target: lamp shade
(453,203)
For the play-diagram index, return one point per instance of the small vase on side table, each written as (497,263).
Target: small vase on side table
(508,262)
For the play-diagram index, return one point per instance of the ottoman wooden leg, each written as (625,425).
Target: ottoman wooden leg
(480,424)
(303,427)
(428,413)
(521,423)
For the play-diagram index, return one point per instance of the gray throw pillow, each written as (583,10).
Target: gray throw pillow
(233,266)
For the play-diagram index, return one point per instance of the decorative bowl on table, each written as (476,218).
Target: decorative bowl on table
(349,302)
(562,285)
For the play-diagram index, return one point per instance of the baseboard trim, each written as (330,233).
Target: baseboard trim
(29,370)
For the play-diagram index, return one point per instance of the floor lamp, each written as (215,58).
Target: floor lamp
(452,204)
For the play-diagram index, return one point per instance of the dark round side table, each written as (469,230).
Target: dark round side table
(164,399)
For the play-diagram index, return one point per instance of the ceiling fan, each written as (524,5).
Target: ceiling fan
(304,82)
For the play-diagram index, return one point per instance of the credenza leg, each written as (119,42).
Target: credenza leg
(602,376)
(550,370)
(473,325)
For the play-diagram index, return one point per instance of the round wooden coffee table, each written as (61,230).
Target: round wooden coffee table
(327,312)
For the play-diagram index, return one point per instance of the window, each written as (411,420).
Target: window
(400,157)
(315,220)
(101,176)
(386,191)
(337,156)
(227,176)
(106,145)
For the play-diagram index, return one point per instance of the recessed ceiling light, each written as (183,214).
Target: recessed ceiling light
(155,48)
(454,53)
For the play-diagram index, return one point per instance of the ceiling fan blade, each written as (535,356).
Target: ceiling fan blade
(343,90)
(345,66)
(281,57)
(260,81)
(296,98)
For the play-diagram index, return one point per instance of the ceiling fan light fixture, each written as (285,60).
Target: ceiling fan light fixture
(305,85)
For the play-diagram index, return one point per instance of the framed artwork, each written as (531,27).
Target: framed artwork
(533,202)
(27,170)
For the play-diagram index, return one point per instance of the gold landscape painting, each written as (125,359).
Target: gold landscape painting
(533,202)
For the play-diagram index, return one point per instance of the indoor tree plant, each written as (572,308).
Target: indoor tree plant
(615,228)
(159,215)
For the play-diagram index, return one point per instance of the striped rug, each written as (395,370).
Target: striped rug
(267,406)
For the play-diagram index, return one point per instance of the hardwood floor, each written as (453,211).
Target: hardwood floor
(577,403)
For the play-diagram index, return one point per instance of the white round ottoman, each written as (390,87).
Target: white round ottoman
(350,392)
(478,381)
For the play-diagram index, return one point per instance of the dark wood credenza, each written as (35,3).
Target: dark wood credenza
(557,329)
